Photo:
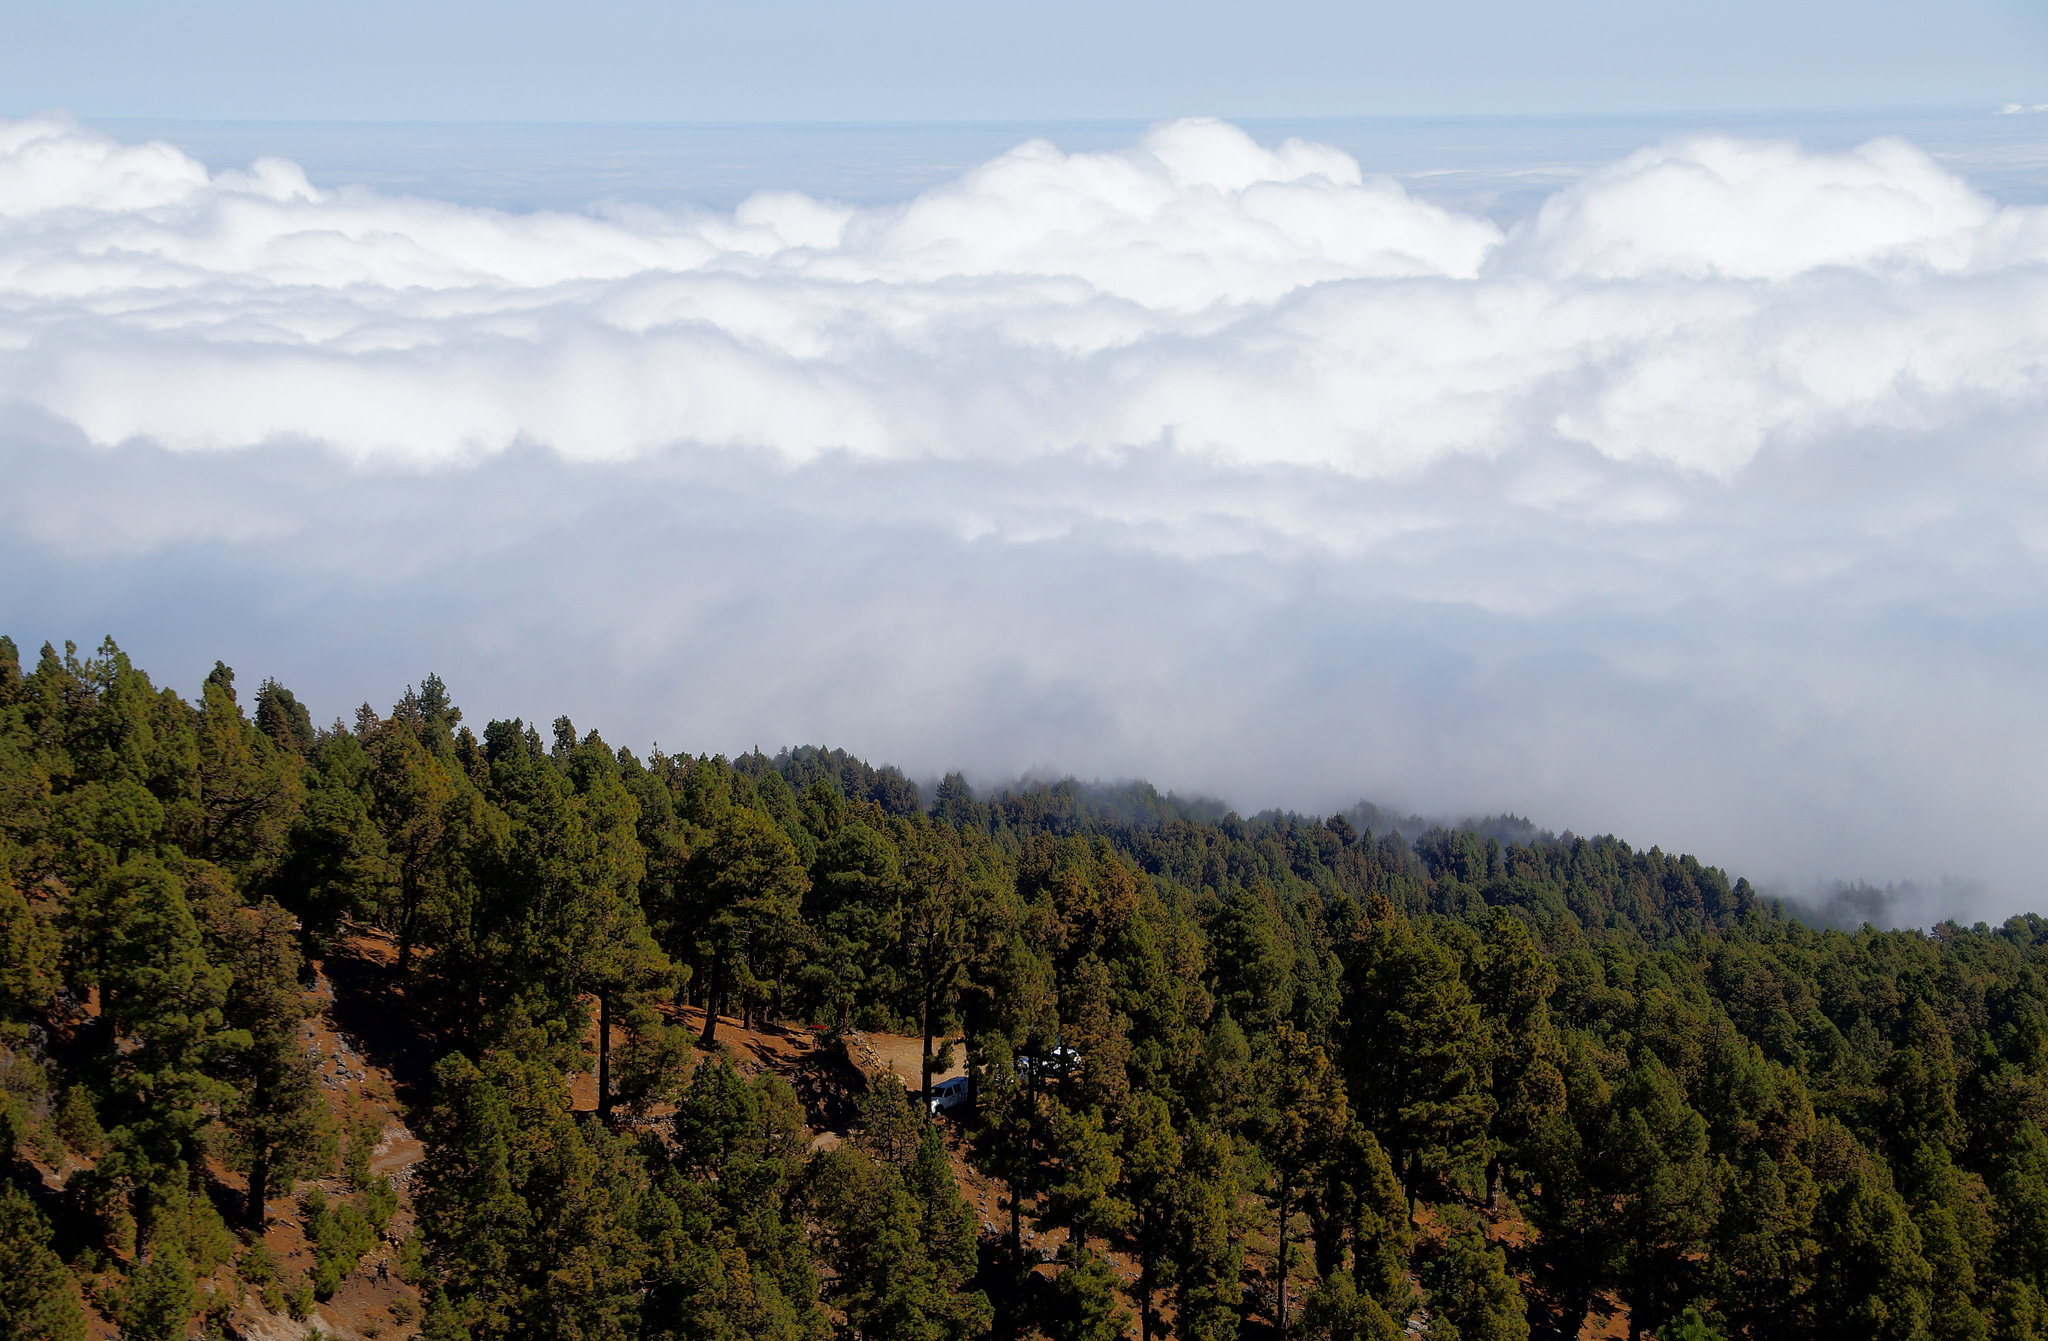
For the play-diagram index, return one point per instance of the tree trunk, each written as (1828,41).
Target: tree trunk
(258,1213)
(709,1038)
(1280,1263)
(604,1056)
(925,1063)
(1145,1293)
(405,902)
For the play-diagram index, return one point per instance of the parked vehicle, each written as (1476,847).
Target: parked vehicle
(948,1094)
(1058,1062)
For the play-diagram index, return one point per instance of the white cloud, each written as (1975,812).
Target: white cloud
(1690,303)
(1705,503)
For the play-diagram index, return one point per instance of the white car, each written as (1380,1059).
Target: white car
(949,1094)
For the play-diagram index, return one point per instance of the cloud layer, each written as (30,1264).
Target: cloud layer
(1705,503)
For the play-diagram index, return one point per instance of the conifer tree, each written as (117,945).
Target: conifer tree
(746,886)
(1007,1140)
(1301,1118)
(1151,1177)
(1471,1294)
(1371,1203)
(413,801)
(1654,1161)
(936,928)
(162,998)
(336,862)
(1208,1238)
(1083,1304)
(1762,1263)
(274,1113)
(1414,1044)
(1336,1311)
(886,1279)
(248,787)
(1870,1279)
(156,1303)
(2021,1243)
(37,1299)
(1079,1191)
(1513,986)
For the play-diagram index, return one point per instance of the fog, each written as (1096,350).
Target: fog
(1700,501)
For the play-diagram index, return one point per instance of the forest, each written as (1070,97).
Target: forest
(1285,1076)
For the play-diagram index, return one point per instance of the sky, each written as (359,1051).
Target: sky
(1673,473)
(899,60)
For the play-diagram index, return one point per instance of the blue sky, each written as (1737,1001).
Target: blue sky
(859,60)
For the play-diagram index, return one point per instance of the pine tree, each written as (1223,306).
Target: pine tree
(37,1299)
(746,888)
(1151,1176)
(1513,984)
(1208,1238)
(891,1124)
(886,1278)
(1870,1279)
(1654,1161)
(1382,1236)
(336,864)
(1252,959)
(1007,1140)
(936,928)
(274,1115)
(248,787)
(28,959)
(1337,1311)
(1079,1191)
(1083,1303)
(413,800)
(1470,1289)
(156,1303)
(1414,1045)
(1762,1263)
(2022,1199)
(1301,1117)
(1569,1198)
(162,998)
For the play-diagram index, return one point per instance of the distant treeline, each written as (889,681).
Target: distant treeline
(1280,1074)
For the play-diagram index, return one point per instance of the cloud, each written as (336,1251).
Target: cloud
(1705,503)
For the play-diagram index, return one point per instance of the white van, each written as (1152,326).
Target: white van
(949,1094)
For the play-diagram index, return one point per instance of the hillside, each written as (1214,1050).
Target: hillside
(444,993)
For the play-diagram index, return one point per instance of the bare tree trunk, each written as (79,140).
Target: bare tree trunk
(1280,1264)
(709,1038)
(1145,1294)
(604,1056)
(258,1213)
(925,1063)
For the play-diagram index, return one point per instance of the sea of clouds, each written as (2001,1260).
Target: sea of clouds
(1703,503)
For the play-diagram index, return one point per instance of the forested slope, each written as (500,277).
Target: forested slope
(1248,1074)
